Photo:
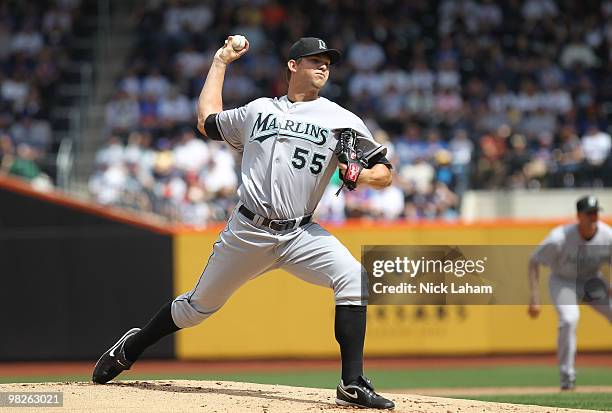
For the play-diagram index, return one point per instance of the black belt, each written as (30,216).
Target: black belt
(275,224)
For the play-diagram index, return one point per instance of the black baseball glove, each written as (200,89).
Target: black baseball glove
(356,153)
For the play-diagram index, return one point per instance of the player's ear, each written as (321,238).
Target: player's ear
(291,68)
(292,65)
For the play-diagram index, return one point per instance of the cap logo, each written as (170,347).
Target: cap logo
(592,201)
(322,44)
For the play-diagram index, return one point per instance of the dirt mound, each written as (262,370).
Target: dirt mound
(211,396)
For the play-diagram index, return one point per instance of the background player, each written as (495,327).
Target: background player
(575,254)
(287,146)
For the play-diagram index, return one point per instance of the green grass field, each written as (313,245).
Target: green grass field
(504,376)
(591,401)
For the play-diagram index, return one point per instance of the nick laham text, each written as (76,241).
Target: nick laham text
(432,288)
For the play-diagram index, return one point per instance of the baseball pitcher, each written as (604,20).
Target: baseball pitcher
(290,147)
(575,254)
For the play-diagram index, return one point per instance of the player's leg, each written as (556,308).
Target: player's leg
(563,294)
(233,262)
(319,258)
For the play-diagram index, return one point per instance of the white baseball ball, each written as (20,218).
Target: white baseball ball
(238,42)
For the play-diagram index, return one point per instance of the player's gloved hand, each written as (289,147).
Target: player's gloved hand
(534,310)
(227,54)
(595,290)
(349,156)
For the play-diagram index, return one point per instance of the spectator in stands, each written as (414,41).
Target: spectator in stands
(131,83)
(568,157)
(516,158)
(15,90)
(442,163)
(194,210)
(448,77)
(107,183)
(122,113)
(387,204)
(393,103)
(111,153)
(148,111)
(57,20)
(448,104)
(578,52)
(420,174)
(461,148)
(190,62)
(434,144)
(596,146)
(556,100)
(490,170)
(33,106)
(155,84)
(190,154)
(134,194)
(365,54)
(169,188)
(34,133)
(27,40)
(539,168)
(409,146)
(421,77)
(139,154)
(420,102)
(357,203)
(536,122)
(534,10)
(22,164)
(175,109)
(446,202)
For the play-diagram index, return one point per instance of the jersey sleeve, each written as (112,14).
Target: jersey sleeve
(382,159)
(365,134)
(230,124)
(548,251)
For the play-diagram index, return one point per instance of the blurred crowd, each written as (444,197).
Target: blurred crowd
(466,94)
(181,177)
(33,41)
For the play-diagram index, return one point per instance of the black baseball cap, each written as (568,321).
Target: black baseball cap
(587,204)
(309,46)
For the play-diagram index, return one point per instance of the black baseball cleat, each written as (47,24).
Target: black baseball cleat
(568,385)
(113,361)
(360,393)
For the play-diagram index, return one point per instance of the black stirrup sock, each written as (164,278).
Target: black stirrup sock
(158,327)
(350,328)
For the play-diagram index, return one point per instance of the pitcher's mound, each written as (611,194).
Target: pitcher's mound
(218,396)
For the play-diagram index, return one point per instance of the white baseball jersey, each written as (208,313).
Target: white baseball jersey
(569,256)
(287,150)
